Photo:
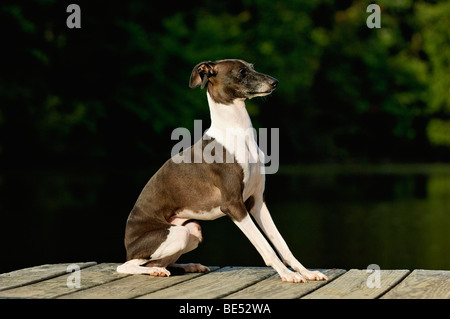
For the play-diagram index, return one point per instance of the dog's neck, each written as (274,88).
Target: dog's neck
(232,116)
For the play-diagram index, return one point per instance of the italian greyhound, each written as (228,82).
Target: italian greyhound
(160,227)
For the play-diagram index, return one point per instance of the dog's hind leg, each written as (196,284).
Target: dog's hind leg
(179,240)
(135,266)
(153,251)
(195,238)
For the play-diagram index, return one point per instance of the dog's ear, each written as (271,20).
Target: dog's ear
(201,74)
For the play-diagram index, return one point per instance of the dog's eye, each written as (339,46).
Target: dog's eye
(243,72)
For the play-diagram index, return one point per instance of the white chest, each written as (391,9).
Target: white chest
(232,128)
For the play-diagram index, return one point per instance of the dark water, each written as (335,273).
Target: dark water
(330,216)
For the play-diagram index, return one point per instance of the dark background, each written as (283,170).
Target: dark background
(86,114)
(111,92)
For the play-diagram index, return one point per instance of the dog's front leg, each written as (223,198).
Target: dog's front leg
(264,220)
(248,227)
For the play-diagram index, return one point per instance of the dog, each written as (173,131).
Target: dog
(161,226)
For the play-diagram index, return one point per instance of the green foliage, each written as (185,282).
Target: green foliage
(119,85)
(435,33)
(438,132)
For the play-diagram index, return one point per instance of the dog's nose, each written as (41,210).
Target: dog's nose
(273,82)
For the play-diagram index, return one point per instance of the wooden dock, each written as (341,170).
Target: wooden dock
(101,281)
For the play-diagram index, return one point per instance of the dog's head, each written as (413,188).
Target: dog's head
(227,80)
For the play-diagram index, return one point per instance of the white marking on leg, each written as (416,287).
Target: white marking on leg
(195,236)
(264,220)
(175,243)
(134,267)
(250,230)
(131,266)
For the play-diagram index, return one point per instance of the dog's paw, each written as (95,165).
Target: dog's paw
(313,275)
(292,277)
(191,267)
(158,272)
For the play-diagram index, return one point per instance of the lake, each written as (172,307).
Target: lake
(331,216)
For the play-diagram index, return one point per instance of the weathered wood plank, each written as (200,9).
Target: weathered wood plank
(216,284)
(422,284)
(57,286)
(353,285)
(102,281)
(274,288)
(31,275)
(132,286)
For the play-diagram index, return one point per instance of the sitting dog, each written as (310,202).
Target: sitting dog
(160,227)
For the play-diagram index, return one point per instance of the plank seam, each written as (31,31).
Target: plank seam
(58,274)
(181,282)
(327,282)
(396,284)
(83,289)
(249,285)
